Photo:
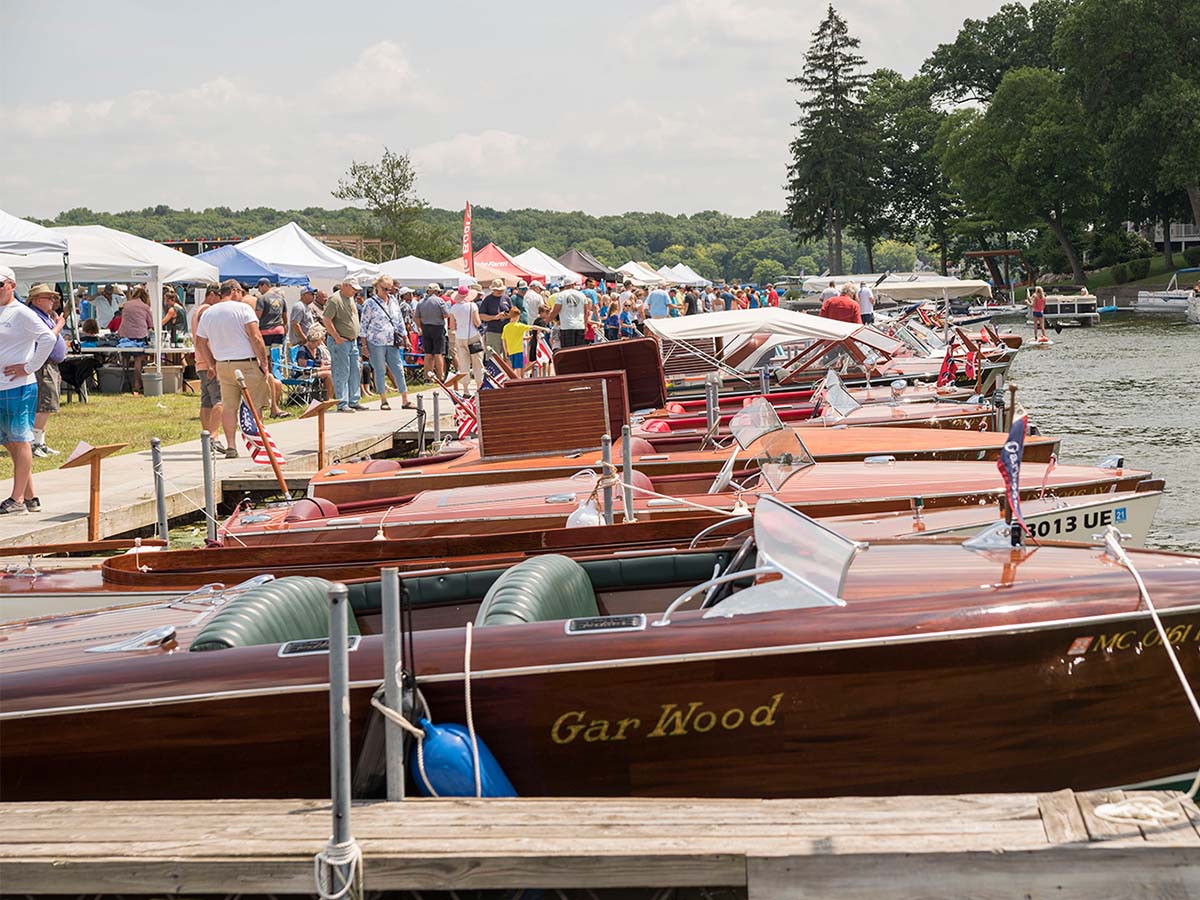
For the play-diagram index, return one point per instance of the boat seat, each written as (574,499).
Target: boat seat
(541,589)
(637,447)
(381,465)
(286,609)
(309,508)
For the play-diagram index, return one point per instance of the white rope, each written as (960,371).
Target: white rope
(186,497)
(331,861)
(614,480)
(470,710)
(1151,811)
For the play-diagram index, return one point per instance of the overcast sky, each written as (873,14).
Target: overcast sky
(604,107)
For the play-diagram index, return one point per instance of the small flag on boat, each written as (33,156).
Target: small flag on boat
(493,375)
(1046,475)
(969,369)
(1009,465)
(949,369)
(543,357)
(256,443)
(466,417)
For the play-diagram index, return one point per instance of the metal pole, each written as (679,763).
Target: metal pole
(160,487)
(339,712)
(627,471)
(764,380)
(437,419)
(711,409)
(210,488)
(606,456)
(420,424)
(393,690)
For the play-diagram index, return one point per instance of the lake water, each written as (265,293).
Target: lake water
(1128,386)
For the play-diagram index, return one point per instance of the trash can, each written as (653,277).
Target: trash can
(112,379)
(152,382)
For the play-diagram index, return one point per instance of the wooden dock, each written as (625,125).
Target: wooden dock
(1006,845)
(127,487)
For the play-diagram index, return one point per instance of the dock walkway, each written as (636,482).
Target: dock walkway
(998,845)
(127,485)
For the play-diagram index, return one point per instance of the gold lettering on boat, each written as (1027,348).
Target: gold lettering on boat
(1130,640)
(674,720)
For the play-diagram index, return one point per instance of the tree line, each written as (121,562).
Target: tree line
(1046,126)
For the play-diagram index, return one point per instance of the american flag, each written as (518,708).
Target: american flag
(1046,475)
(466,417)
(1009,465)
(254,441)
(543,357)
(949,369)
(493,375)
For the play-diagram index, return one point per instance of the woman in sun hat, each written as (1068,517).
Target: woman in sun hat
(468,332)
(43,300)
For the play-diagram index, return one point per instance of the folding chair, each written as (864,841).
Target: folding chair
(302,384)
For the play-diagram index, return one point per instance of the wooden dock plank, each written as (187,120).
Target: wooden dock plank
(1181,832)
(1102,829)
(978,846)
(1061,817)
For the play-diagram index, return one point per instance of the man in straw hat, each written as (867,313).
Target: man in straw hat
(43,300)
(25,344)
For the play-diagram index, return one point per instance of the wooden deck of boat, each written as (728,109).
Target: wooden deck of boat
(127,487)
(1005,845)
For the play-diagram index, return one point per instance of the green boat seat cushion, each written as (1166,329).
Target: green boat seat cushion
(540,589)
(286,609)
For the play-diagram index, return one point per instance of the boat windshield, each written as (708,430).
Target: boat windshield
(754,421)
(804,552)
(833,393)
(781,454)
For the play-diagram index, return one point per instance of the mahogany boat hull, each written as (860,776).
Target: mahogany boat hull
(914,696)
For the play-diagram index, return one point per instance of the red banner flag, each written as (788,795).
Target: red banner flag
(468,250)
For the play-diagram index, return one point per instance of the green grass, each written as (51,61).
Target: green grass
(123,418)
(1159,275)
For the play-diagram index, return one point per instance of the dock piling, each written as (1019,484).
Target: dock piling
(627,471)
(339,865)
(606,456)
(160,487)
(393,690)
(210,487)
(437,420)
(420,424)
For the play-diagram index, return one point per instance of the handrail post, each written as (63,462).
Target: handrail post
(210,488)
(160,487)
(393,689)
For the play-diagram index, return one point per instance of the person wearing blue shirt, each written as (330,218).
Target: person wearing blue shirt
(658,304)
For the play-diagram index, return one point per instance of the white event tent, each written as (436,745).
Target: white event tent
(105,254)
(639,275)
(686,275)
(290,250)
(547,266)
(412,271)
(22,238)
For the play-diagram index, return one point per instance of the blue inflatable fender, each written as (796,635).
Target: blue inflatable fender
(449,771)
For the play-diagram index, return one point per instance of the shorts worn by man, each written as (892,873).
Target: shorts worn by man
(431,313)
(228,338)
(570,307)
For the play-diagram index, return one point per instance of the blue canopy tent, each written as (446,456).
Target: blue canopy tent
(233,263)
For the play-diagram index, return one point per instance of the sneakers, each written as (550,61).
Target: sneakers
(358,407)
(231,452)
(34,505)
(41,451)
(11,506)
(218,447)
(346,409)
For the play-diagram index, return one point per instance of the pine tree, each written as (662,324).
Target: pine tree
(827,173)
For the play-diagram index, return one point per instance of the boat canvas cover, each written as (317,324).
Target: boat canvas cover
(765,320)
(290,250)
(547,266)
(105,254)
(412,271)
(233,263)
(932,288)
(21,238)
(814,284)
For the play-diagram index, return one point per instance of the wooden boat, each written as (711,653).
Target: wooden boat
(829,668)
(462,466)
(819,489)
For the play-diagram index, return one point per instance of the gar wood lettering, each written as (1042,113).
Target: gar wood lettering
(672,720)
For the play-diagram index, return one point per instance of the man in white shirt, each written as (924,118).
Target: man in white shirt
(831,291)
(105,306)
(866,303)
(228,341)
(25,345)
(570,308)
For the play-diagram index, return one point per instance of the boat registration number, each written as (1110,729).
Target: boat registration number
(1069,524)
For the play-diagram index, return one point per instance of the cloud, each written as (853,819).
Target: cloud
(684,27)
(381,78)
(495,153)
